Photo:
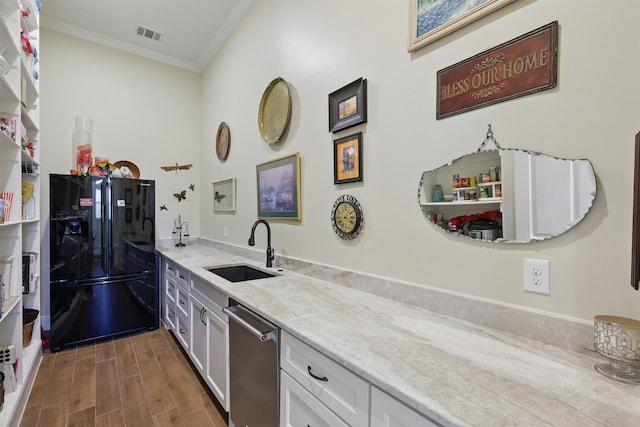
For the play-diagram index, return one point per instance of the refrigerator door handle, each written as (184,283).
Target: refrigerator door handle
(102,281)
(107,209)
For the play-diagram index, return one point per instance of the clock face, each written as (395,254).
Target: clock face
(346,217)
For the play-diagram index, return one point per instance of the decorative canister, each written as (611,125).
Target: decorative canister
(618,339)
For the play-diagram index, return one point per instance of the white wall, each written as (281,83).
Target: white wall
(318,47)
(154,114)
(143,111)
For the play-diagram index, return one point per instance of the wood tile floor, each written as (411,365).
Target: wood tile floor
(133,381)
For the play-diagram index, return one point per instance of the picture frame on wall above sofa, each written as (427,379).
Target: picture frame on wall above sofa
(347,159)
(224,195)
(278,185)
(348,105)
(430,20)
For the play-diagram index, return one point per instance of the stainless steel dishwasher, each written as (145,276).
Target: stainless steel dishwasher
(254,390)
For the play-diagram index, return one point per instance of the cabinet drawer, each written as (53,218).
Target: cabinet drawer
(182,277)
(182,301)
(170,289)
(211,297)
(170,315)
(298,407)
(338,388)
(387,411)
(182,331)
(169,268)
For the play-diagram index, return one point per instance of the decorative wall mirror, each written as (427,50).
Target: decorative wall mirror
(507,195)
(635,232)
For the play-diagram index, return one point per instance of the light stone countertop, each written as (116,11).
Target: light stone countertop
(452,371)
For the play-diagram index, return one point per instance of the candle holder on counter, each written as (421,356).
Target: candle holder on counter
(182,228)
(618,339)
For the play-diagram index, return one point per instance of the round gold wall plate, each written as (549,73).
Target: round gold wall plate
(223,140)
(274,113)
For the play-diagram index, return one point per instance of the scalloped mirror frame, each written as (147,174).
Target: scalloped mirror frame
(538,196)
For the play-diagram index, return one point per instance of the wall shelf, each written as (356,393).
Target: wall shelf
(18,235)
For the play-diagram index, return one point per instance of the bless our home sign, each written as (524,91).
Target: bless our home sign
(524,65)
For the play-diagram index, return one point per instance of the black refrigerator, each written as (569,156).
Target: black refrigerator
(104,269)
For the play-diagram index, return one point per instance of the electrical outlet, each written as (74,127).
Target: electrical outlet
(536,276)
(226,232)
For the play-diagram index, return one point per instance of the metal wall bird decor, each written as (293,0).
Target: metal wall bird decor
(177,167)
(181,196)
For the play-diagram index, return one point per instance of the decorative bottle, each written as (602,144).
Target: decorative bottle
(82,144)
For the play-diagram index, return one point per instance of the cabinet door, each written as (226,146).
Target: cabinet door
(169,315)
(182,328)
(217,358)
(386,411)
(299,408)
(168,301)
(198,348)
(182,301)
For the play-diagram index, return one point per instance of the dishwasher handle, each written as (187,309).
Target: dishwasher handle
(262,336)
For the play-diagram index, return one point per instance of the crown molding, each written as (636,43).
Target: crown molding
(91,36)
(224,32)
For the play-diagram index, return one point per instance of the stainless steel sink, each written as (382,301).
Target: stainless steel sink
(240,273)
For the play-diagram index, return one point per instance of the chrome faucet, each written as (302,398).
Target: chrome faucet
(252,240)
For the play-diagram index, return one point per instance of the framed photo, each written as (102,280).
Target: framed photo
(279,188)
(224,195)
(347,159)
(348,106)
(430,20)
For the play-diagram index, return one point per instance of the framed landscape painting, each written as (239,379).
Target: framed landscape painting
(279,188)
(430,20)
(347,159)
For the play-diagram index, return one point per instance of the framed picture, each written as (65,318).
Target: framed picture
(347,159)
(224,195)
(348,106)
(279,188)
(430,20)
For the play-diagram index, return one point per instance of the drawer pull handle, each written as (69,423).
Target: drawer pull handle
(170,316)
(181,301)
(315,376)
(182,331)
(169,268)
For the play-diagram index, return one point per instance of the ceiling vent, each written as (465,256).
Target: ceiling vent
(148,33)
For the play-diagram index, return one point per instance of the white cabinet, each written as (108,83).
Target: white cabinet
(20,230)
(333,386)
(317,391)
(182,330)
(298,407)
(175,302)
(387,411)
(198,347)
(209,349)
(192,308)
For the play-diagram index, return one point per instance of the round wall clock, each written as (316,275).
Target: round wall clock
(275,111)
(223,139)
(347,217)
